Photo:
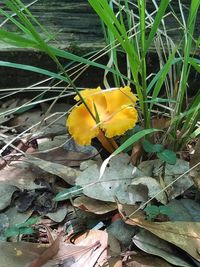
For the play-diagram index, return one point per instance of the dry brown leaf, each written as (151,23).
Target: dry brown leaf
(113,262)
(160,123)
(47,254)
(27,119)
(16,175)
(62,150)
(185,235)
(136,153)
(78,255)
(18,254)
(114,252)
(141,260)
(87,252)
(62,156)
(100,253)
(93,205)
(66,173)
(126,210)
(89,249)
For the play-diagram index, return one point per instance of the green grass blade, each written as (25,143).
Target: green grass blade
(14,21)
(182,88)
(130,141)
(30,16)
(64,54)
(193,115)
(162,76)
(107,15)
(157,76)
(143,101)
(189,32)
(159,16)
(33,69)
(133,139)
(195,133)
(16,40)
(195,63)
(19,41)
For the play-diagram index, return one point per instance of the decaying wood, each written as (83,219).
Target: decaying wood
(75,27)
(75,24)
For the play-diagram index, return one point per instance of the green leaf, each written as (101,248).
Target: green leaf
(29,222)
(12,231)
(165,210)
(26,231)
(151,212)
(168,156)
(152,148)
(154,210)
(69,193)
(22,228)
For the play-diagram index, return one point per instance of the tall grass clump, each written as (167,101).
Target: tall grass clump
(130,29)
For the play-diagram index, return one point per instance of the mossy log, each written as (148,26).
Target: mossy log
(74,24)
(75,27)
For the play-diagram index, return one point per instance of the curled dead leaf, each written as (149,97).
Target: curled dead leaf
(94,205)
(184,235)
